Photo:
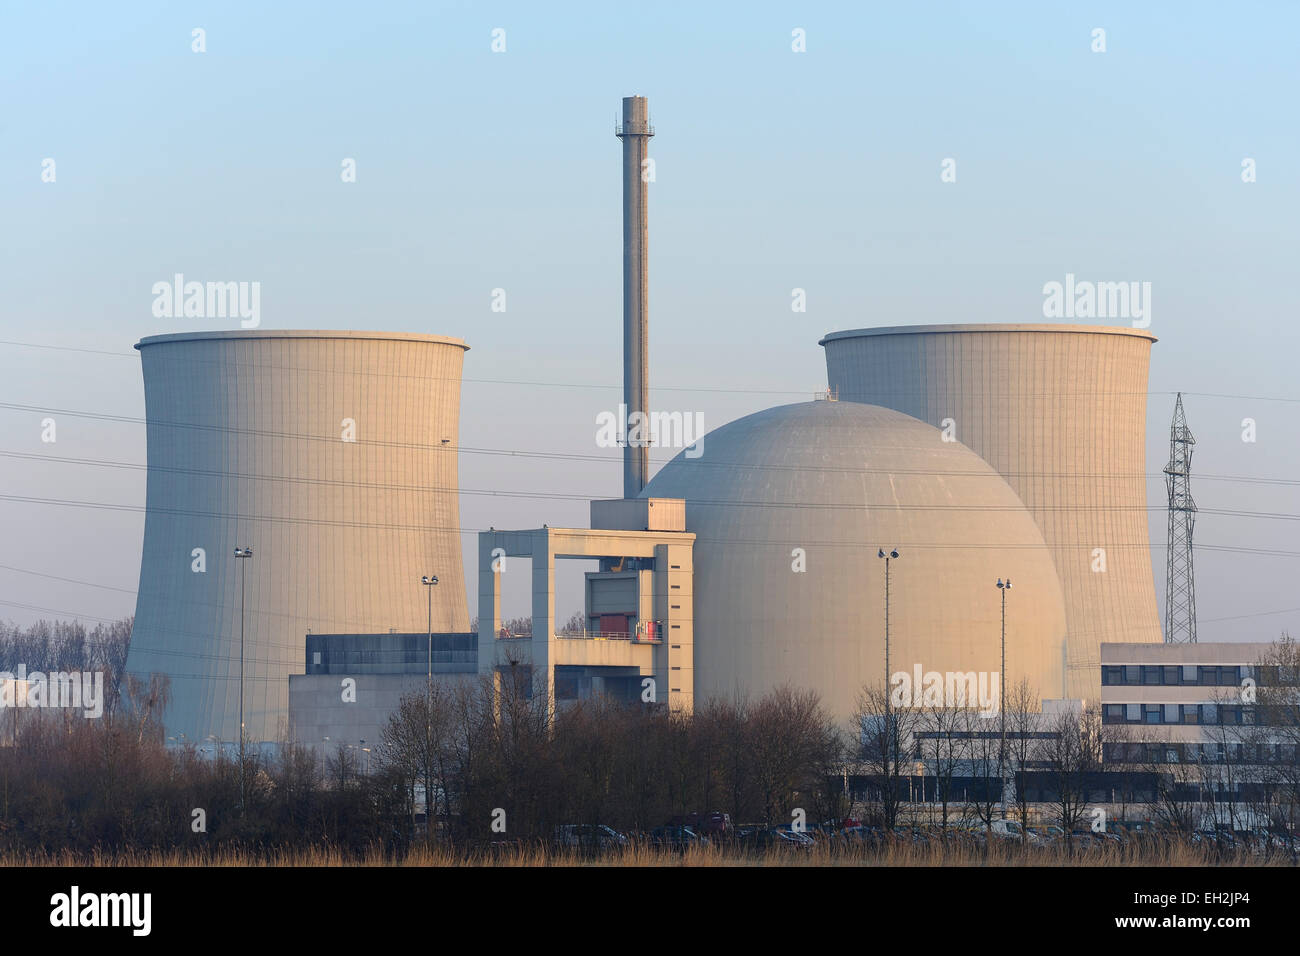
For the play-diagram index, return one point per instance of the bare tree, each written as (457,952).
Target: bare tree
(1024,724)
(942,742)
(888,748)
(985,762)
(402,750)
(1071,753)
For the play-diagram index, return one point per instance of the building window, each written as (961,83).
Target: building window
(1151,713)
(1191,714)
(1133,713)
(1132,674)
(1114,713)
(1173,714)
(1171,675)
(1112,675)
(1191,674)
(1151,675)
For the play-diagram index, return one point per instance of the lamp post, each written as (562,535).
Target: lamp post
(428,580)
(1003,587)
(241,554)
(890,736)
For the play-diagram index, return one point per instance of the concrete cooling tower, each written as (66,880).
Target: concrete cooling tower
(1060,412)
(332,456)
(789,506)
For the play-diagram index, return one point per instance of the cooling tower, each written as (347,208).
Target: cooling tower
(1060,412)
(332,456)
(789,506)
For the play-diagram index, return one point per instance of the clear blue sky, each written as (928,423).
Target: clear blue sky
(775,170)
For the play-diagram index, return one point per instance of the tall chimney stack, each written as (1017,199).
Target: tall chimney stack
(635,132)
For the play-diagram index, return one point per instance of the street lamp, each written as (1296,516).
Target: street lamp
(888,557)
(240,555)
(890,736)
(1003,587)
(428,580)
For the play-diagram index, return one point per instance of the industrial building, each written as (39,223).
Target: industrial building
(382,669)
(974,454)
(1193,703)
(640,601)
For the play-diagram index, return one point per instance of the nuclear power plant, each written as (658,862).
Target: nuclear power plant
(968,455)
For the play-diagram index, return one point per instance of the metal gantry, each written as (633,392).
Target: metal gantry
(1180,585)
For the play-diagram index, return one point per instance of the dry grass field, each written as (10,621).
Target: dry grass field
(906,855)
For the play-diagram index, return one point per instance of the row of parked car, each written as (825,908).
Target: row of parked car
(705,830)
(681,836)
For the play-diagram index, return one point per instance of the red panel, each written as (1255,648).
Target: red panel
(613,624)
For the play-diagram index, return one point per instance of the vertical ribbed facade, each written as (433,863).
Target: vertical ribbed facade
(1060,412)
(248,447)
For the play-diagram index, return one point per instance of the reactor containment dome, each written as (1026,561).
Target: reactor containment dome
(790,506)
(332,456)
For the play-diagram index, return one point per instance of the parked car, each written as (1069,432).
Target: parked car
(715,823)
(589,836)
(676,838)
(773,838)
(1006,830)
(1050,833)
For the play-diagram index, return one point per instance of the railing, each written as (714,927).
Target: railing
(636,637)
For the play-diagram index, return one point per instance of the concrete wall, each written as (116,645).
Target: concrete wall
(1060,412)
(246,448)
(317,709)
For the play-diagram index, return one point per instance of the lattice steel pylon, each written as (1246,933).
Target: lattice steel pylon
(1180,589)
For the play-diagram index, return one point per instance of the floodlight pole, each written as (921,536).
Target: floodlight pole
(890,741)
(241,554)
(1003,587)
